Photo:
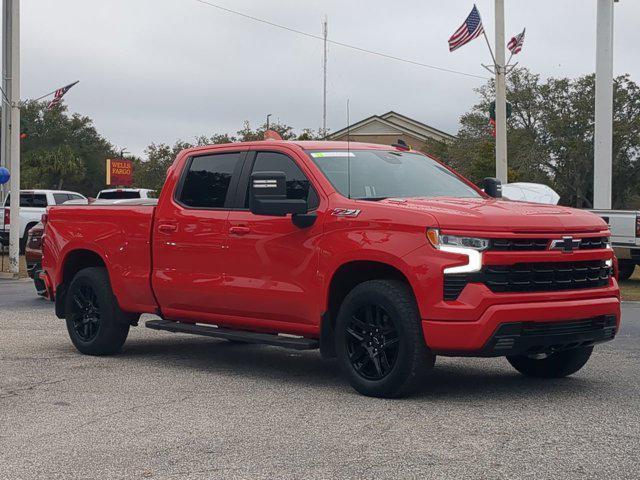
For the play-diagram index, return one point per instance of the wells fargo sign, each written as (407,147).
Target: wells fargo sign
(119,172)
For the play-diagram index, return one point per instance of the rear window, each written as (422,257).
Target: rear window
(38,200)
(122,195)
(60,198)
(206,184)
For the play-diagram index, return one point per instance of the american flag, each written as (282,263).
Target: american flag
(470,29)
(515,44)
(57,97)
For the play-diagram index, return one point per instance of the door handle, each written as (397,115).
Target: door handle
(239,230)
(167,227)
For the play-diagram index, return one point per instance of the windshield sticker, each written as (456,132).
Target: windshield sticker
(332,154)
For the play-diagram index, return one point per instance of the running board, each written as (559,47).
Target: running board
(296,343)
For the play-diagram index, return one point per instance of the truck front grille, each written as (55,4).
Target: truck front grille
(532,277)
(537,244)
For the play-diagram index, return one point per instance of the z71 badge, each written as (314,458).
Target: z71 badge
(345,212)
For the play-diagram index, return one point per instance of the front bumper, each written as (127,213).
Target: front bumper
(486,335)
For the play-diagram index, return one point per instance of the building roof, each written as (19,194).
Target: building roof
(397,122)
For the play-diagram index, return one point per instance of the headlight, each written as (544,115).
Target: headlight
(469,246)
(439,240)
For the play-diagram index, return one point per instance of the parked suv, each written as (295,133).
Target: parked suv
(375,254)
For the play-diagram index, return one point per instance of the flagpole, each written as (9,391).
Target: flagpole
(54,91)
(489,45)
(509,61)
(501,94)
(484,33)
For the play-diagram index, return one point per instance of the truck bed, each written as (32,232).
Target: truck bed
(119,232)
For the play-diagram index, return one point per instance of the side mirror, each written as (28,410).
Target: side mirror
(492,187)
(268,195)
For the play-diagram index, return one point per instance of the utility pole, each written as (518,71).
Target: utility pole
(603,141)
(501,94)
(11,42)
(325,32)
(6,88)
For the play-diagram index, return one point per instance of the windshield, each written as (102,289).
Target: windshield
(378,174)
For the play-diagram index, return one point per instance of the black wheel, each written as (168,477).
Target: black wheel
(625,269)
(95,323)
(379,339)
(553,365)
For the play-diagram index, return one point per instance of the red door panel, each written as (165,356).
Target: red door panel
(272,269)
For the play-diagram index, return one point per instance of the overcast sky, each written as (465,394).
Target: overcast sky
(161,70)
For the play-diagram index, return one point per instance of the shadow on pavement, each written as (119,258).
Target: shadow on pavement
(452,379)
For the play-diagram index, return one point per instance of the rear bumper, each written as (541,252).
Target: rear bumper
(502,329)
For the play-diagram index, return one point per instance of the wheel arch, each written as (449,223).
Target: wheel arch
(74,261)
(344,279)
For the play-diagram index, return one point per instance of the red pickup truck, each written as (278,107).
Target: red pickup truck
(377,255)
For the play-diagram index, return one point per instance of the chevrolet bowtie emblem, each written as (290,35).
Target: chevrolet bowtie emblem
(567,244)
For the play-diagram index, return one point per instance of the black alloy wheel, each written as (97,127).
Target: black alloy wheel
(372,343)
(86,313)
(379,340)
(95,322)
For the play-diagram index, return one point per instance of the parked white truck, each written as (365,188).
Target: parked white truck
(625,238)
(33,203)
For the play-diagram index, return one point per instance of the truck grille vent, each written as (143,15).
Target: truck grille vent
(574,326)
(532,277)
(533,244)
(519,244)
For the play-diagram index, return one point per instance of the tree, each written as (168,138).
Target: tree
(61,150)
(53,168)
(550,136)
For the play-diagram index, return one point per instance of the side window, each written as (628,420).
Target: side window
(75,197)
(60,198)
(207,181)
(298,185)
(33,200)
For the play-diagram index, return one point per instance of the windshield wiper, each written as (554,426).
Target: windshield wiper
(371,199)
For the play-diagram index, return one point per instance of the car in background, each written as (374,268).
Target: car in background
(125,194)
(530,192)
(33,203)
(33,256)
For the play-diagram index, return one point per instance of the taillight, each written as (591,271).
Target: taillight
(7,216)
(637,225)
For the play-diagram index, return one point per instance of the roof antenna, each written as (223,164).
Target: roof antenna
(348,153)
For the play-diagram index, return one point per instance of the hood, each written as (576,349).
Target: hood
(494,215)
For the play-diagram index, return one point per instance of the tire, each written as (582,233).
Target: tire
(556,365)
(379,320)
(625,269)
(38,283)
(25,238)
(95,323)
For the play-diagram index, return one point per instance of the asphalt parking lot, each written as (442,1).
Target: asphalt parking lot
(178,406)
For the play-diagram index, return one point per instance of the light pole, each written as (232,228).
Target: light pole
(603,135)
(268,121)
(501,95)
(11,121)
